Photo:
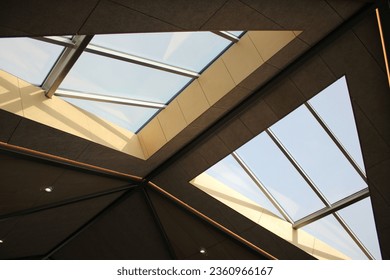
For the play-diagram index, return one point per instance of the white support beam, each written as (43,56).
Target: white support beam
(66,61)
(140,61)
(56,40)
(227,35)
(108,99)
(336,141)
(259,184)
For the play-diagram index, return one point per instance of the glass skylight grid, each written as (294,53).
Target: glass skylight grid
(128,117)
(99,74)
(297,150)
(28,59)
(188,50)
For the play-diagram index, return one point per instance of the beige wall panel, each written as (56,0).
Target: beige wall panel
(269,43)
(242,59)
(152,137)
(216,81)
(22,98)
(192,102)
(172,120)
(266,219)
(9,94)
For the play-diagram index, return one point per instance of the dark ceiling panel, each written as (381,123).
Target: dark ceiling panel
(45,17)
(99,155)
(38,233)
(187,15)
(314,18)
(188,234)
(128,231)
(126,20)
(36,136)
(8,124)
(23,181)
(231,15)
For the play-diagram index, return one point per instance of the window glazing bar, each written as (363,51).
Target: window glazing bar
(65,62)
(353,236)
(108,99)
(227,35)
(57,40)
(296,165)
(258,183)
(329,208)
(336,141)
(342,203)
(140,61)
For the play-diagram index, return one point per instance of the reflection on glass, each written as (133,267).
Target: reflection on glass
(28,59)
(360,219)
(279,177)
(334,106)
(98,74)
(313,149)
(189,50)
(230,173)
(329,230)
(128,117)
(236,33)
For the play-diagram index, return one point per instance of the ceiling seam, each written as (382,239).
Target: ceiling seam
(270,19)
(89,15)
(149,16)
(89,223)
(159,223)
(65,202)
(207,20)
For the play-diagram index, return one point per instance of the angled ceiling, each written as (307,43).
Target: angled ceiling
(97,211)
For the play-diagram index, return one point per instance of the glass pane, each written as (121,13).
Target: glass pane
(98,74)
(28,59)
(313,149)
(128,117)
(230,173)
(329,230)
(334,106)
(278,175)
(189,50)
(360,219)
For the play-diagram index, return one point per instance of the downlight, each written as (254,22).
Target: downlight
(48,189)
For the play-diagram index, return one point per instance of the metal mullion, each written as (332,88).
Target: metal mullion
(265,191)
(108,99)
(227,35)
(353,236)
(327,210)
(336,141)
(56,40)
(298,167)
(65,63)
(140,61)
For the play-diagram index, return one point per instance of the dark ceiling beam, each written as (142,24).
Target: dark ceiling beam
(46,158)
(211,222)
(159,224)
(65,202)
(89,223)
(383,17)
(257,94)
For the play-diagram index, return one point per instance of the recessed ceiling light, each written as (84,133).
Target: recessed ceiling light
(202,251)
(48,189)
(1,241)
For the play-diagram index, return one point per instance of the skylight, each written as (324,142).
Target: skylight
(148,70)
(311,164)
(28,59)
